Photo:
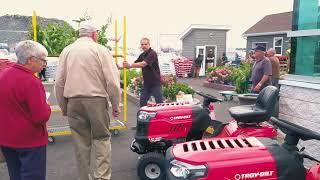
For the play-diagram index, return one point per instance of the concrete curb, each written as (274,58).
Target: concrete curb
(133,98)
(216,86)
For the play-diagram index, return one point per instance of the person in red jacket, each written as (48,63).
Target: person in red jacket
(24,113)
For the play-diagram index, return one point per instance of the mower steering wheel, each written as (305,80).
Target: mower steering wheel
(294,129)
(210,97)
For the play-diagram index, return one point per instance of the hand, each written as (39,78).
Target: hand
(126,64)
(119,67)
(48,102)
(116,112)
(257,88)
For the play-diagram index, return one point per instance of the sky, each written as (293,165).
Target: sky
(162,20)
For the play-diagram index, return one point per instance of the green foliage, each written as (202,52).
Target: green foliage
(171,91)
(132,73)
(241,76)
(55,37)
(168,80)
(102,39)
(210,69)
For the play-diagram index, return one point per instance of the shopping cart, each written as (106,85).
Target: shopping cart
(61,127)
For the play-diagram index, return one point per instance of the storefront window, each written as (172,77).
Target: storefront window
(307,46)
(308,56)
(308,14)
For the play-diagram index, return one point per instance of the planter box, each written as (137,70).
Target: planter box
(136,99)
(217,86)
(133,98)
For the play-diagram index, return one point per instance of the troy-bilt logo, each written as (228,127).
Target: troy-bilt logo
(180,117)
(254,175)
(157,139)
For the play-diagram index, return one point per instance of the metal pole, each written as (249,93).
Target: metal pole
(125,69)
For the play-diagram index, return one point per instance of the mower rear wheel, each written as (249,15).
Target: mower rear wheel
(151,166)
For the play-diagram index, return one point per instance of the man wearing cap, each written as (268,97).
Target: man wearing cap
(261,71)
(86,77)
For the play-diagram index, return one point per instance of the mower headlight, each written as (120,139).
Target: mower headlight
(146,115)
(184,170)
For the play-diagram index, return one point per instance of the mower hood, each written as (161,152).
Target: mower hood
(219,150)
(165,106)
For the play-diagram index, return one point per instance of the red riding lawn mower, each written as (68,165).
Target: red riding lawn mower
(240,158)
(162,125)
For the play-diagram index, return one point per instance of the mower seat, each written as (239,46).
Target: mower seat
(261,111)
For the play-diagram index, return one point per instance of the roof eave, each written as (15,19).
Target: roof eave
(191,27)
(265,33)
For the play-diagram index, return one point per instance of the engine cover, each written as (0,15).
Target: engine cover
(172,121)
(239,158)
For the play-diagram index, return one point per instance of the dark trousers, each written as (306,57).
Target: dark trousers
(26,163)
(146,92)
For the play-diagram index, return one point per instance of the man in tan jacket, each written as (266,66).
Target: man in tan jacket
(86,77)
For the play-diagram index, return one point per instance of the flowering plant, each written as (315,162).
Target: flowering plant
(219,75)
(136,84)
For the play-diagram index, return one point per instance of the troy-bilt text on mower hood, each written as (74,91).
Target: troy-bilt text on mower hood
(243,158)
(156,123)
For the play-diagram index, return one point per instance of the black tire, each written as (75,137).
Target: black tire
(151,166)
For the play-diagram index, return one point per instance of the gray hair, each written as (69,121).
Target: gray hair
(86,29)
(145,39)
(27,49)
(272,50)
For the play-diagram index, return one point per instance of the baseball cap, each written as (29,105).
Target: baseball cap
(87,28)
(260,48)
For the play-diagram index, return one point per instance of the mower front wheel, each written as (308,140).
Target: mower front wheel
(151,166)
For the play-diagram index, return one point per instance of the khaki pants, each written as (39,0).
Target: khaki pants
(89,123)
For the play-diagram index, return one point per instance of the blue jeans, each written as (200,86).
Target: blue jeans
(146,92)
(26,163)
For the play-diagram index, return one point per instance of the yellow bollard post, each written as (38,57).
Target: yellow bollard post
(116,40)
(125,70)
(34,27)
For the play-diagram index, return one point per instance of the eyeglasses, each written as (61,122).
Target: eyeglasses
(44,61)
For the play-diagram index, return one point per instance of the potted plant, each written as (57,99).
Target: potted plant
(241,77)
(170,92)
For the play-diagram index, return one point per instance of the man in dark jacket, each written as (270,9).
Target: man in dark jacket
(148,61)
(198,62)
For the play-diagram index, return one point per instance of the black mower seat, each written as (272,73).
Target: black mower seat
(261,111)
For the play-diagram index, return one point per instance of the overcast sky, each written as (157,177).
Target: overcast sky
(154,18)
